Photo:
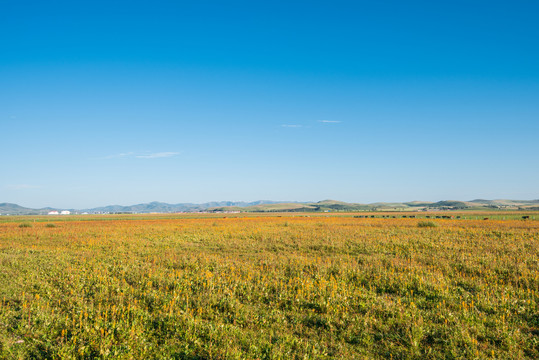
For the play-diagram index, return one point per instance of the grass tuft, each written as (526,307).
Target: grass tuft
(427,224)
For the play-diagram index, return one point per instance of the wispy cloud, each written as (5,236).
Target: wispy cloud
(22,187)
(157,155)
(319,121)
(115,156)
(329,121)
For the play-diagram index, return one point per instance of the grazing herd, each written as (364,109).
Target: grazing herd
(524,217)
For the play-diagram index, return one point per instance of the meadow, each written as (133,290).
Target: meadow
(269,287)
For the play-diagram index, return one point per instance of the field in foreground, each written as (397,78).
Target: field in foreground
(269,288)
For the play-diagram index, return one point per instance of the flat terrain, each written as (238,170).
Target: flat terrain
(269,287)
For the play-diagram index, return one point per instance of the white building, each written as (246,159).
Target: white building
(53,212)
(65,212)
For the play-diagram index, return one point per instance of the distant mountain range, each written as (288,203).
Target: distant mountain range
(333,205)
(153,207)
(276,206)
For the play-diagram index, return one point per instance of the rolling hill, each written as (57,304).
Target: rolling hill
(284,206)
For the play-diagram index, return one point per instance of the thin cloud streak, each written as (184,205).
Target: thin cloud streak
(116,156)
(330,121)
(291,126)
(22,187)
(157,155)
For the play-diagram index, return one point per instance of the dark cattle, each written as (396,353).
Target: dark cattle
(485,218)
(458,217)
(525,217)
(427,217)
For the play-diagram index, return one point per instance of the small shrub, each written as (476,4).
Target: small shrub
(427,224)
(50,225)
(25,225)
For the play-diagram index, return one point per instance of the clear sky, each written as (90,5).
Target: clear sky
(123,102)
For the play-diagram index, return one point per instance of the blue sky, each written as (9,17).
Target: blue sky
(126,102)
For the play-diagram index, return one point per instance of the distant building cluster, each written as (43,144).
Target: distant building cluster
(55,212)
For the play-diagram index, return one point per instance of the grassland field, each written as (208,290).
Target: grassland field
(270,286)
(464,215)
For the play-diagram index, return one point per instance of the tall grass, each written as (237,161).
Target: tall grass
(269,288)
(427,224)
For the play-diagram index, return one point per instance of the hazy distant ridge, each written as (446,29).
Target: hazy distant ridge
(272,206)
(156,206)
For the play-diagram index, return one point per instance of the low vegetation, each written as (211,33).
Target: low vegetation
(427,224)
(269,288)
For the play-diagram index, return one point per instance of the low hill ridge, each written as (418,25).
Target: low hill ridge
(274,206)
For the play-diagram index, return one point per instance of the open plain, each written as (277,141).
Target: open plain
(269,287)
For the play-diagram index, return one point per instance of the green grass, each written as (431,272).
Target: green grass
(427,224)
(290,287)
